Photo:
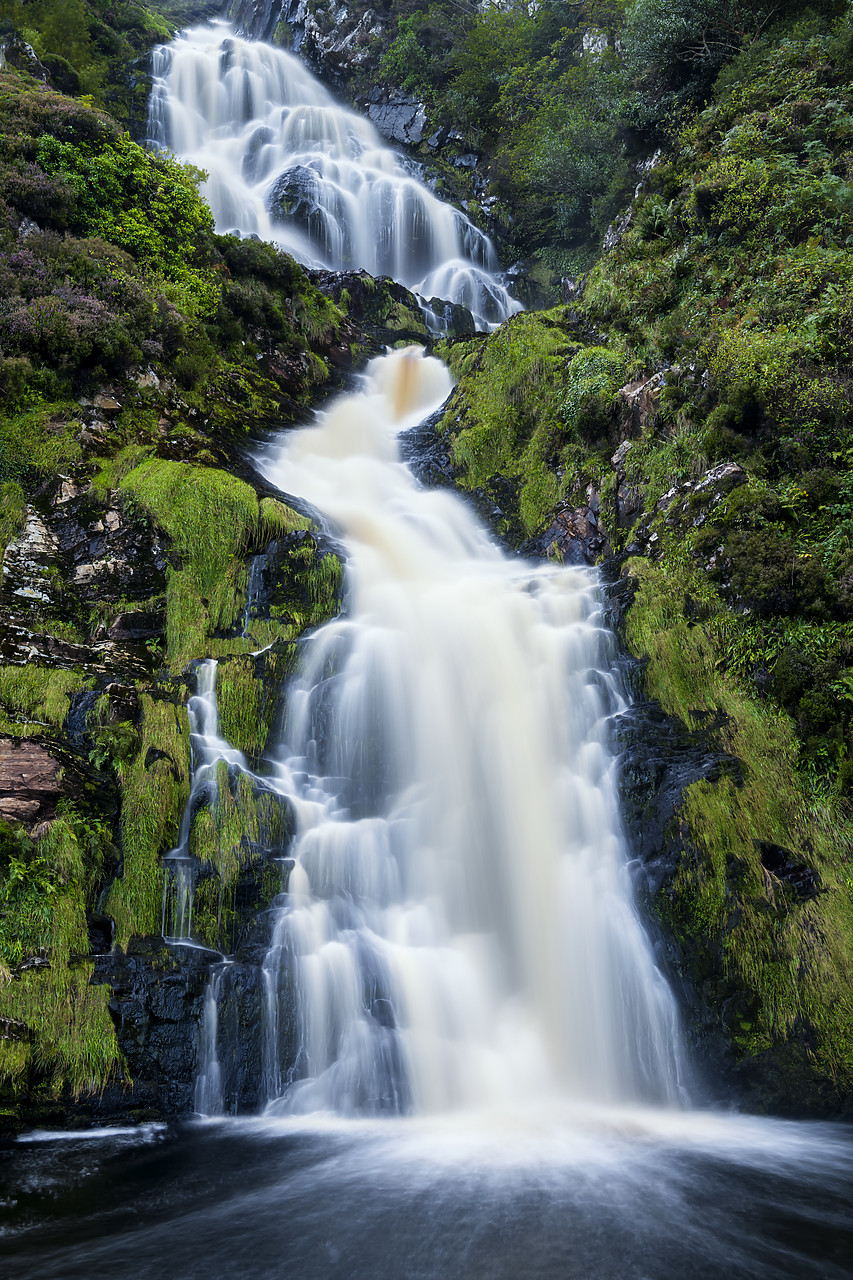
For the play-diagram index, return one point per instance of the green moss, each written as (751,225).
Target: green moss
(776,971)
(155,789)
(34,698)
(517,412)
(211,517)
(13,511)
(229,838)
(67,1037)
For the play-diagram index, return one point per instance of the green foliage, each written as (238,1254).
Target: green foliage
(515,81)
(406,62)
(89,46)
(148,205)
(45,885)
(510,416)
(784,968)
(675,51)
(592,379)
(33,698)
(155,789)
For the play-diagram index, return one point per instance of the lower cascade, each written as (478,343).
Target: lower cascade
(285,161)
(458,928)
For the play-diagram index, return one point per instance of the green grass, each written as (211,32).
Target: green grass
(153,802)
(513,416)
(13,511)
(40,441)
(36,698)
(69,1040)
(779,973)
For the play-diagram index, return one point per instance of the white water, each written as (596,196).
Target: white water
(247,114)
(208,749)
(459,924)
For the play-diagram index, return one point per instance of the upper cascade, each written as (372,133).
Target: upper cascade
(288,163)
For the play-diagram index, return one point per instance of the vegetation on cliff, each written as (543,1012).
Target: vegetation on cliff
(137,350)
(721,474)
(687,416)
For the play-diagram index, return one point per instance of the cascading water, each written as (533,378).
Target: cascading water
(288,163)
(208,750)
(458,928)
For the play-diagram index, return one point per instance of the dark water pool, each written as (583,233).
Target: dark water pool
(639,1196)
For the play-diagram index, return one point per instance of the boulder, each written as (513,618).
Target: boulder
(639,403)
(400,119)
(573,537)
(31,781)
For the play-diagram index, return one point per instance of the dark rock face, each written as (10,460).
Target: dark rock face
(426,453)
(386,312)
(294,195)
(451,318)
(573,537)
(30,781)
(258,18)
(71,556)
(156,1006)
(398,117)
(659,759)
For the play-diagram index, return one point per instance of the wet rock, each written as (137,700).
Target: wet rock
(258,18)
(156,1005)
(31,781)
(659,759)
(573,537)
(639,403)
(294,195)
(400,118)
(385,312)
(450,318)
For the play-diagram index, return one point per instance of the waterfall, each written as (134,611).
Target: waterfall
(208,749)
(459,928)
(286,162)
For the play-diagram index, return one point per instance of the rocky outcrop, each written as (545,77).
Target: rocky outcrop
(573,536)
(397,116)
(387,313)
(31,781)
(334,39)
(258,19)
(687,504)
